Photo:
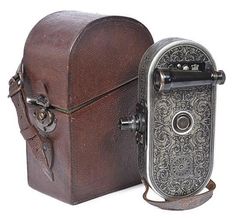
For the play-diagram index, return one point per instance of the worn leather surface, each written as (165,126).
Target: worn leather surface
(105,158)
(88,64)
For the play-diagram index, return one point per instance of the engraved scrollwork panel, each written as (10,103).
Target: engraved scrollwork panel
(181,163)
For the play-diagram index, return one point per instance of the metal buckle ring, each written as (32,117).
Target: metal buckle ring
(16,82)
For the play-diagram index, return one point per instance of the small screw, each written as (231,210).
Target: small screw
(179,66)
(42,115)
(185,67)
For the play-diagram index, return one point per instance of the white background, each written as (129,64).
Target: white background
(211,23)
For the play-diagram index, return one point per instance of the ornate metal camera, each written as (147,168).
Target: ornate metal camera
(174,121)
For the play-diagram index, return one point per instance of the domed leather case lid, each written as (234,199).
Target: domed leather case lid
(81,56)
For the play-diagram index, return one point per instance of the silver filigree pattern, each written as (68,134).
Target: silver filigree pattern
(181,162)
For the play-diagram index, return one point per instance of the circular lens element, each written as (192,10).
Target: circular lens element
(182,122)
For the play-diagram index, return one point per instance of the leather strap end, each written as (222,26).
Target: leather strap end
(40,145)
(48,172)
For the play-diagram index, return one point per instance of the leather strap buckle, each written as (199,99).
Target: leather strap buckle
(40,145)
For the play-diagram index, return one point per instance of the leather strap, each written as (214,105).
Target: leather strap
(40,145)
(184,203)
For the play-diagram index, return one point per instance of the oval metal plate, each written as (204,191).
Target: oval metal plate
(176,164)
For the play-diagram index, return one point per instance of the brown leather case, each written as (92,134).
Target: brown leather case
(88,65)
